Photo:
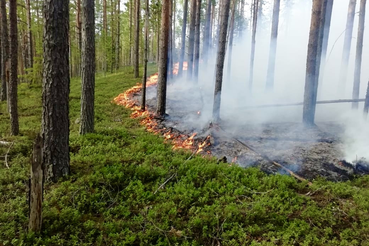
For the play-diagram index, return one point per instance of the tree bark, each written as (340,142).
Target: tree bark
(191,41)
(13,82)
(29,36)
(170,43)
(327,27)
(220,60)
(88,67)
(36,188)
(230,42)
(273,46)
(197,41)
(313,61)
(117,45)
(143,99)
(4,51)
(206,43)
(366,104)
(163,59)
(253,41)
(136,54)
(130,31)
(347,45)
(105,34)
(183,43)
(359,54)
(55,91)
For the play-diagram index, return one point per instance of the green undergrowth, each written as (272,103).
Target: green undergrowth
(128,187)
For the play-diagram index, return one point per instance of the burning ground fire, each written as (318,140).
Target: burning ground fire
(152,124)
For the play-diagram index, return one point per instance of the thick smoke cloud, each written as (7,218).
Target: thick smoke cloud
(289,78)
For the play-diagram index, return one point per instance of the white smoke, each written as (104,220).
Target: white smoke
(289,78)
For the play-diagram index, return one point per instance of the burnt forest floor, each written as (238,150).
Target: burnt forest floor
(128,187)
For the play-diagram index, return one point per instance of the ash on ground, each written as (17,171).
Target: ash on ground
(309,152)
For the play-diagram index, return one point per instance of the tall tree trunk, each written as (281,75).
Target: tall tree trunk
(211,29)
(137,40)
(163,59)
(55,91)
(105,33)
(347,45)
(130,30)
(197,41)
(253,41)
(273,46)
(206,43)
(29,35)
(327,27)
(143,99)
(13,82)
(220,60)
(183,43)
(230,42)
(359,54)
(191,41)
(4,52)
(313,60)
(170,44)
(117,45)
(79,25)
(88,67)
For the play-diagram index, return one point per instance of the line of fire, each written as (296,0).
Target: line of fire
(283,96)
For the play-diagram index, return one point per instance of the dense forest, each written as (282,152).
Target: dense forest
(119,120)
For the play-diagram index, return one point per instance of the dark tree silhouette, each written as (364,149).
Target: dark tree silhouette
(183,38)
(88,67)
(55,91)
(220,59)
(163,59)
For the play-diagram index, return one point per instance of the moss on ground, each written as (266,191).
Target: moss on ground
(112,195)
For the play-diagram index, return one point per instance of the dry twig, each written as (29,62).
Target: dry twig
(6,155)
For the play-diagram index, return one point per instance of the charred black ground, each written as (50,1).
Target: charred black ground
(308,152)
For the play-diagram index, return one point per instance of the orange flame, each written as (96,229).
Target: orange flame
(179,141)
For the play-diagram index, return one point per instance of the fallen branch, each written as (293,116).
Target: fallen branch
(301,103)
(4,143)
(6,155)
(166,181)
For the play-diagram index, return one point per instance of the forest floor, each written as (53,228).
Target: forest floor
(128,187)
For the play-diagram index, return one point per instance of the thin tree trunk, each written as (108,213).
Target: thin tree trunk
(253,41)
(143,99)
(29,36)
(36,188)
(211,28)
(230,43)
(273,46)
(136,54)
(55,92)
(366,105)
(191,41)
(4,52)
(13,82)
(170,48)
(359,54)
(183,43)
(327,26)
(88,67)
(130,31)
(79,25)
(197,41)
(206,43)
(105,33)
(347,45)
(163,59)
(117,46)
(220,60)
(313,61)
